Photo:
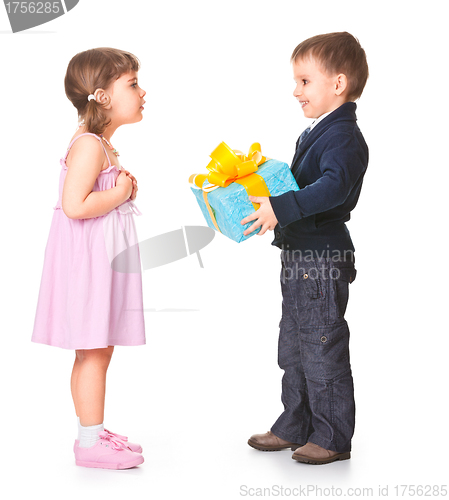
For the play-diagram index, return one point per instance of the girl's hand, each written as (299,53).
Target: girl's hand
(124,181)
(135,188)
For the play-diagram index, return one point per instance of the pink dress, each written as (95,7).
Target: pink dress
(83,302)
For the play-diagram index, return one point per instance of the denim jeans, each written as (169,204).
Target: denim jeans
(317,386)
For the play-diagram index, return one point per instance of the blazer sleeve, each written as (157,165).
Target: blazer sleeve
(341,165)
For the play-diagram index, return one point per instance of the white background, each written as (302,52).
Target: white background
(208,378)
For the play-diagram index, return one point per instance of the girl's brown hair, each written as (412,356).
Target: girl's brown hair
(337,53)
(95,69)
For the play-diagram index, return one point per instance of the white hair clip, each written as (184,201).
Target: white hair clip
(90,97)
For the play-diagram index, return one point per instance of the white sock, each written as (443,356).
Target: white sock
(88,436)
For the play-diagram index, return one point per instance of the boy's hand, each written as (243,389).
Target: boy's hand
(264,215)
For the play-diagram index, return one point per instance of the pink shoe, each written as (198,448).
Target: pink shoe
(136,448)
(107,453)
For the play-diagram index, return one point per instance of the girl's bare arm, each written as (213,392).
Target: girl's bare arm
(78,199)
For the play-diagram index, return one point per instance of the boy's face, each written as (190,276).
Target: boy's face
(316,91)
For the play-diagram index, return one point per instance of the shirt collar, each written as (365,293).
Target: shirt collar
(315,123)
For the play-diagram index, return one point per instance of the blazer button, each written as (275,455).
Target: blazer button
(278,235)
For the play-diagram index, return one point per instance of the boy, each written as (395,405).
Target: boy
(317,253)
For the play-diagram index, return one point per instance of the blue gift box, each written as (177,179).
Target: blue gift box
(231,204)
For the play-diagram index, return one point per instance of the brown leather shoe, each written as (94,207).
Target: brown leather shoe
(270,442)
(313,454)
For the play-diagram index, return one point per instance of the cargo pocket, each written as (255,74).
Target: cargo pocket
(312,285)
(325,351)
(310,295)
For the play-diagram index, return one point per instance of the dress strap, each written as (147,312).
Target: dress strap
(96,136)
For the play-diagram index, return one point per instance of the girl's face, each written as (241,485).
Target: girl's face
(126,100)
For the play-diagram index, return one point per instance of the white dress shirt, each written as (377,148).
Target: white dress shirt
(315,123)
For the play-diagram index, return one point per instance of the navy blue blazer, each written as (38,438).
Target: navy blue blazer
(328,166)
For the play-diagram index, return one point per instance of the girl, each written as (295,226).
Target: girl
(85,304)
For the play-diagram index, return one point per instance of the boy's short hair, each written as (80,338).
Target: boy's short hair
(337,53)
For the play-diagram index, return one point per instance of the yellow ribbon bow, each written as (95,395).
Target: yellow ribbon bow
(229,166)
